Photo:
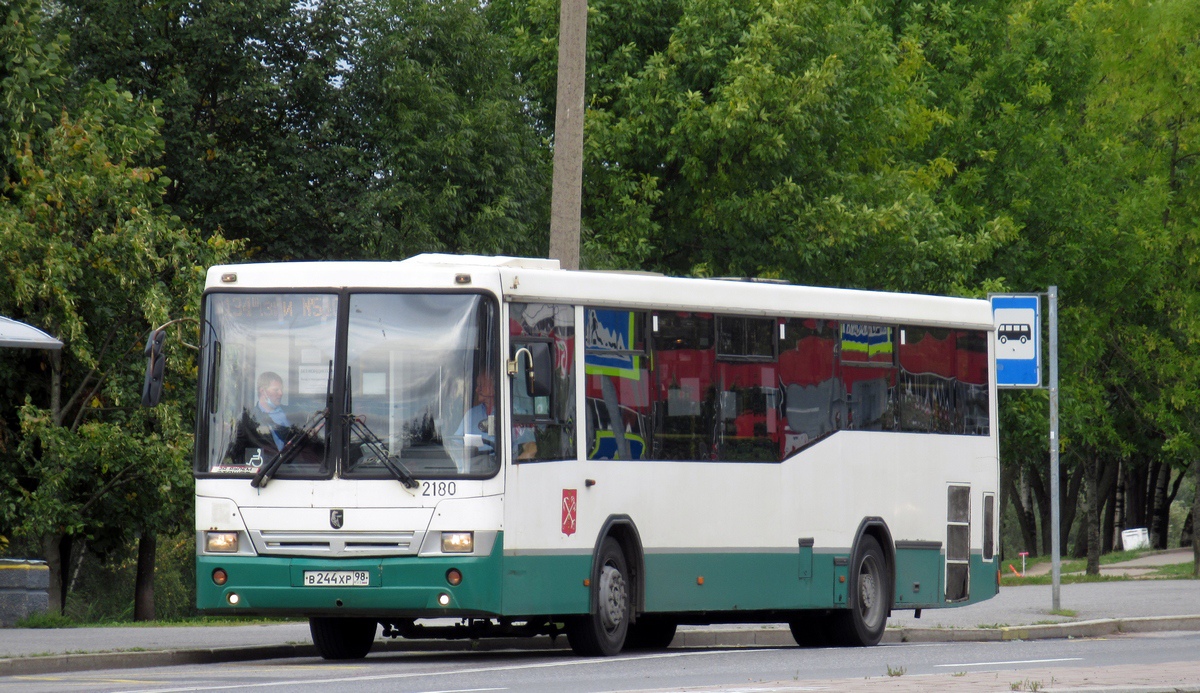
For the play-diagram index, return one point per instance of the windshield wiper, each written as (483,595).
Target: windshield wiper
(292,446)
(379,450)
(290,449)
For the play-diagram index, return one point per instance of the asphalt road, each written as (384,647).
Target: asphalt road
(1168,660)
(1014,606)
(724,658)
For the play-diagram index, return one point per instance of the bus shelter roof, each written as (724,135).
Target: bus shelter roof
(22,336)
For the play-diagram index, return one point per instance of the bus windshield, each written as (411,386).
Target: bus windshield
(410,397)
(267,376)
(421,387)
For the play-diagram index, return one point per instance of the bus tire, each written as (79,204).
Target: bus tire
(650,633)
(809,628)
(601,633)
(342,638)
(869,599)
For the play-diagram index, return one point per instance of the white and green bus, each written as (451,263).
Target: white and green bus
(459,446)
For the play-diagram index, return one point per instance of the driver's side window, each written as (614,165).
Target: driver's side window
(543,424)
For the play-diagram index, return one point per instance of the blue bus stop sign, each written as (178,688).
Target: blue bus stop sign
(1017,340)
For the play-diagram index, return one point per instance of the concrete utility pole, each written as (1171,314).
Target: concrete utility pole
(567,193)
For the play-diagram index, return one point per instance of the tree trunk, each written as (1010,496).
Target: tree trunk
(1031,539)
(1042,494)
(143,592)
(1024,515)
(1159,509)
(52,552)
(1135,494)
(1146,490)
(1107,523)
(1196,519)
(1118,523)
(1092,513)
(1069,503)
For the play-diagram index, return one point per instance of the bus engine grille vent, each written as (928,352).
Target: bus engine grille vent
(336,544)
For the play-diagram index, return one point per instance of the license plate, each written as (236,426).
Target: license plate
(337,578)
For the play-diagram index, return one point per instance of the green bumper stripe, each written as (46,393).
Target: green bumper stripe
(554,584)
(405,585)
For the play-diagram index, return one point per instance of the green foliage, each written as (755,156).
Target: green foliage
(452,160)
(103,590)
(247,100)
(947,147)
(45,619)
(90,254)
(329,130)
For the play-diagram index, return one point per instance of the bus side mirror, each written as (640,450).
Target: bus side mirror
(155,362)
(537,378)
(538,368)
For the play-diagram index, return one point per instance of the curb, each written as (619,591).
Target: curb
(1126,689)
(766,637)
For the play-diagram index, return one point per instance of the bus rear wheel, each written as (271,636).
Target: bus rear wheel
(870,597)
(342,638)
(602,631)
(809,628)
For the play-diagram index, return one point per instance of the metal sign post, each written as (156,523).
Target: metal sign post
(1055,517)
(1018,348)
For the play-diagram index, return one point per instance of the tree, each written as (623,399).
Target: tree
(91,254)
(1149,106)
(450,159)
(248,92)
(757,138)
(328,130)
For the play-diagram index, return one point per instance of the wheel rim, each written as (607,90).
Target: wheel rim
(870,592)
(613,598)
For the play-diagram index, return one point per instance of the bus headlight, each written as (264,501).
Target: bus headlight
(458,542)
(221,542)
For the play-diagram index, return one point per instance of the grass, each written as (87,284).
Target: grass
(1179,571)
(1007,579)
(1064,579)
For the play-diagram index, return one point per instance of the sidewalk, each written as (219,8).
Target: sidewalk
(1183,677)
(1138,567)
(1099,609)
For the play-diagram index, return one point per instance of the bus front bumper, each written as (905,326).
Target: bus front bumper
(405,586)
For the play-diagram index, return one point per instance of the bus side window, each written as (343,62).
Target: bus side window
(814,397)
(543,427)
(684,353)
(928,386)
(747,378)
(943,381)
(868,369)
(617,382)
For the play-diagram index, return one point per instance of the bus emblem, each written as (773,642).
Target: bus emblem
(570,504)
(336,518)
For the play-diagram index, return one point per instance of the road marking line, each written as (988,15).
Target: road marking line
(1015,661)
(414,675)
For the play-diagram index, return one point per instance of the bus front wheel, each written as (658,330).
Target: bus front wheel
(602,631)
(870,597)
(342,638)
